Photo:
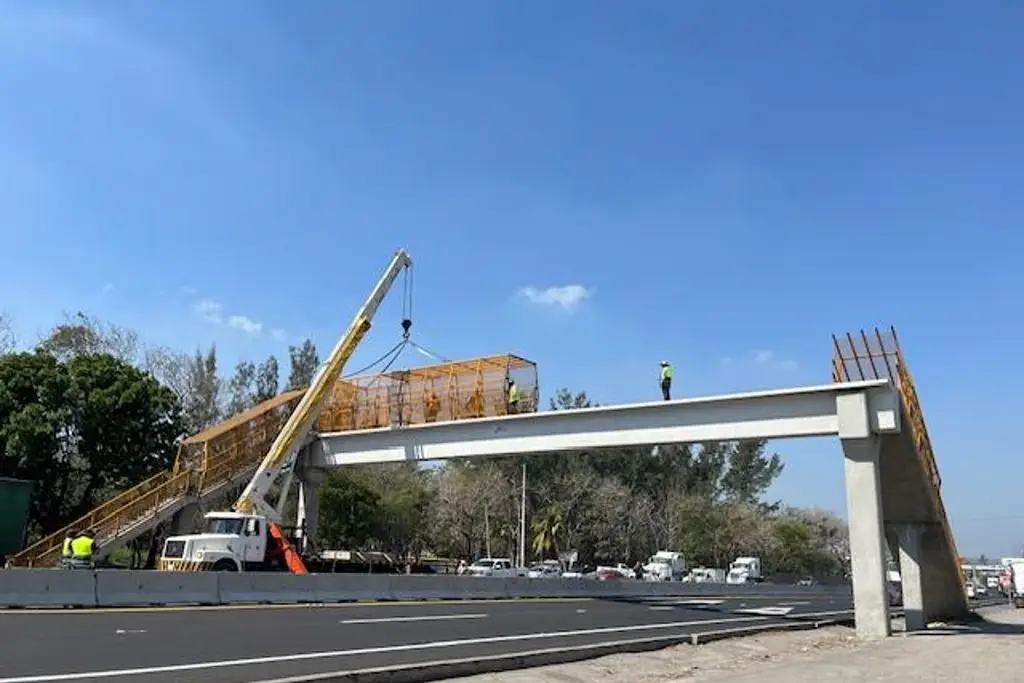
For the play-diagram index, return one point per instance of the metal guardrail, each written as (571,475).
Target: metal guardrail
(39,588)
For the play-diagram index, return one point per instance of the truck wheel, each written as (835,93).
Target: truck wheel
(225,566)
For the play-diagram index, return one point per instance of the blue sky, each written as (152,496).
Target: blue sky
(723,184)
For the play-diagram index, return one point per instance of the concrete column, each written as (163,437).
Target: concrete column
(861,449)
(867,534)
(909,538)
(308,516)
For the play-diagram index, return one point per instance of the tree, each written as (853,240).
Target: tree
(750,471)
(7,338)
(348,510)
(242,388)
(304,362)
(125,425)
(266,380)
(81,430)
(81,335)
(201,396)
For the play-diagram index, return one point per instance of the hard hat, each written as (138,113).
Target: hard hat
(664,362)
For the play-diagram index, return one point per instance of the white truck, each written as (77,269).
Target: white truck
(706,575)
(1017,582)
(250,538)
(495,567)
(745,570)
(665,565)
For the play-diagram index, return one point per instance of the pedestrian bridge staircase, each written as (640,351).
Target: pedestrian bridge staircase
(207,465)
(910,481)
(225,456)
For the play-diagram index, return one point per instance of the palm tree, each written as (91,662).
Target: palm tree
(546,529)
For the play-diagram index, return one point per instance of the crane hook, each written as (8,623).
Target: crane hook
(406,324)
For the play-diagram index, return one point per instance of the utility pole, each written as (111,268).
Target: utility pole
(487,530)
(522,521)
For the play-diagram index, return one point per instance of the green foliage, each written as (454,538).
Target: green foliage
(348,509)
(81,429)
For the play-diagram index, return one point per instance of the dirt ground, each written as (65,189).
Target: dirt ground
(828,654)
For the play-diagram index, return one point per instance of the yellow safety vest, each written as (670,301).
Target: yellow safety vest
(66,550)
(666,372)
(513,393)
(81,547)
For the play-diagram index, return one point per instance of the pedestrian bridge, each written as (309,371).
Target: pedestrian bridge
(892,482)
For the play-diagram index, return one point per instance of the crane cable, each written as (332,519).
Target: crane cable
(391,356)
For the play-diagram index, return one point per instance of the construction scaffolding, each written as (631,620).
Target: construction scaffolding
(454,390)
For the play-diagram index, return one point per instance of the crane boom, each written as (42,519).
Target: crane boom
(295,430)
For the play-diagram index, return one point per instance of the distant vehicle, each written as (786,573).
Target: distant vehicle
(806,581)
(745,570)
(665,565)
(499,567)
(610,574)
(545,570)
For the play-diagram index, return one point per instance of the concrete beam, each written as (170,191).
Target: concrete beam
(789,413)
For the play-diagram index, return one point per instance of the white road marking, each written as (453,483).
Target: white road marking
(581,611)
(333,654)
(661,608)
(122,631)
(794,604)
(430,617)
(767,611)
(704,603)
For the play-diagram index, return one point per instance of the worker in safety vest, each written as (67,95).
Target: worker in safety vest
(513,396)
(666,380)
(65,551)
(82,549)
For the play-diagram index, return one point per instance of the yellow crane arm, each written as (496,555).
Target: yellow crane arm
(295,430)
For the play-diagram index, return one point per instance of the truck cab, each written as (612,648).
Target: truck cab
(230,541)
(745,570)
(665,565)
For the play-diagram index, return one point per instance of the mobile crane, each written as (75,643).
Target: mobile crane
(250,538)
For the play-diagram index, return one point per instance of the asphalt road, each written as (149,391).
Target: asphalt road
(261,643)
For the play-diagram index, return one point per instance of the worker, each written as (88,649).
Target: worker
(513,396)
(666,380)
(82,549)
(65,552)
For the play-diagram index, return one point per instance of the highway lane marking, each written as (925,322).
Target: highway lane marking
(292,605)
(357,603)
(122,631)
(333,654)
(767,611)
(429,617)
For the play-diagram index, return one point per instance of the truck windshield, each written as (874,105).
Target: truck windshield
(224,525)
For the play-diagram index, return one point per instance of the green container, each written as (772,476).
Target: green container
(15,496)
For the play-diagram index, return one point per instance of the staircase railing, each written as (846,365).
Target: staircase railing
(206,460)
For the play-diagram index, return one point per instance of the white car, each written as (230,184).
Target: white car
(545,571)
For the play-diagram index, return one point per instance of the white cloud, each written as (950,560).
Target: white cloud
(107,288)
(209,310)
(247,325)
(213,312)
(189,291)
(567,297)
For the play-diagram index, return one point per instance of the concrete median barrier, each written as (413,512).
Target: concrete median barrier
(47,588)
(139,589)
(112,588)
(269,589)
